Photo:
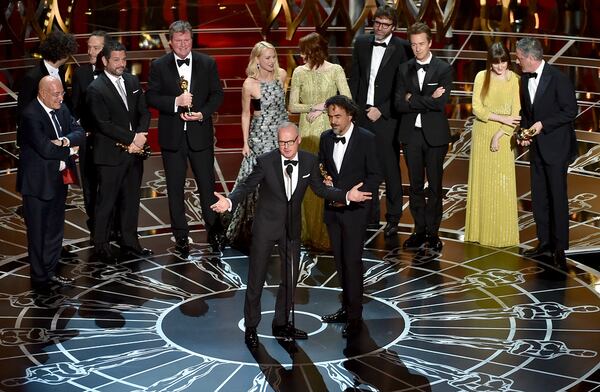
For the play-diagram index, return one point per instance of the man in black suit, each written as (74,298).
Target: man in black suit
(185,128)
(48,139)
(283,176)
(55,50)
(121,121)
(423,89)
(349,155)
(375,61)
(82,77)
(548,106)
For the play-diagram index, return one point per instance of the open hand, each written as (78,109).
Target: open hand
(221,205)
(358,196)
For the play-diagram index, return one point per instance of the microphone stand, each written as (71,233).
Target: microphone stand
(289,169)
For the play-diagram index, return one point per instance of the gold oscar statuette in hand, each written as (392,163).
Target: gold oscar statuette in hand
(327,177)
(183,84)
(145,153)
(524,133)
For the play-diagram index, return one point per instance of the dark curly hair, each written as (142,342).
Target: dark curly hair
(314,47)
(57,46)
(342,101)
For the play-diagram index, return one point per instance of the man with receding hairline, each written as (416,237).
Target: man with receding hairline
(48,138)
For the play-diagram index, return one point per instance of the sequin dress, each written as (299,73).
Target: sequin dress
(262,138)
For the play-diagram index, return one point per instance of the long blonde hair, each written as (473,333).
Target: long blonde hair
(252,68)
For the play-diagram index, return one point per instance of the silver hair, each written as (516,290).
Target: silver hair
(531,47)
(288,124)
(180,26)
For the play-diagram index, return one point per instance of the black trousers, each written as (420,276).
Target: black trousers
(260,253)
(118,186)
(549,200)
(347,229)
(45,229)
(388,152)
(423,160)
(202,164)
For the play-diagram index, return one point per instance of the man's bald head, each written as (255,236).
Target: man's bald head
(51,92)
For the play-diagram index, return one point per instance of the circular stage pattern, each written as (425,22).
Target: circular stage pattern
(470,319)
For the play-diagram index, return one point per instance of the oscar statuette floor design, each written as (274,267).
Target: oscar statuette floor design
(468,319)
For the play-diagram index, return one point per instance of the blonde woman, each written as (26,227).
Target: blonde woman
(491,215)
(263,110)
(312,84)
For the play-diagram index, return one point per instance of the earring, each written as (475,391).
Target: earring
(258,66)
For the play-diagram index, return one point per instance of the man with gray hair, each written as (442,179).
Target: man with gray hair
(282,177)
(184,87)
(548,107)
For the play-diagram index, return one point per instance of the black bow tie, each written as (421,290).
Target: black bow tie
(181,62)
(382,44)
(340,139)
(424,67)
(530,75)
(290,162)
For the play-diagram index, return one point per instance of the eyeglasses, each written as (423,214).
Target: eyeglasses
(377,23)
(287,143)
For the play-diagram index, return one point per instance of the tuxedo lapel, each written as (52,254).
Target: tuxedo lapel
(349,150)
(412,70)
(433,66)
(111,87)
(543,83)
(387,55)
(277,169)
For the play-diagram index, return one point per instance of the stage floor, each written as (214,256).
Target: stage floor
(469,319)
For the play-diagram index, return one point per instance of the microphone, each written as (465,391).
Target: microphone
(289,169)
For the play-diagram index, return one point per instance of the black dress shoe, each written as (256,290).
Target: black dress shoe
(104,256)
(341,316)
(390,229)
(560,260)
(415,241)
(136,251)
(287,331)
(61,280)
(434,243)
(251,338)
(66,254)
(540,250)
(352,328)
(182,245)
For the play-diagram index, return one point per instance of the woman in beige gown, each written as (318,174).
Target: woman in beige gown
(491,215)
(312,84)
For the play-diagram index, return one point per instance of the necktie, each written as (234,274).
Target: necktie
(122,91)
(56,123)
(340,139)
(181,62)
(382,44)
(290,162)
(424,67)
(530,75)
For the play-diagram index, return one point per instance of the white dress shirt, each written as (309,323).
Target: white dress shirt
(532,83)
(119,84)
(421,75)
(290,183)
(51,70)
(376,57)
(339,148)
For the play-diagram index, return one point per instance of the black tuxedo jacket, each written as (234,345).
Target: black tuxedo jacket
(396,53)
(433,117)
(163,88)
(360,164)
(555,105)
(112,117)
(82,78)
(29,86)
(39,162)
(271,209)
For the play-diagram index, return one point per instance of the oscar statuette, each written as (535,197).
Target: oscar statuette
(326,176)
(183,84)
(524,133)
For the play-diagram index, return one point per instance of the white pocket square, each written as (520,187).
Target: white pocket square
(133,92)
(306,176)
(432,84)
